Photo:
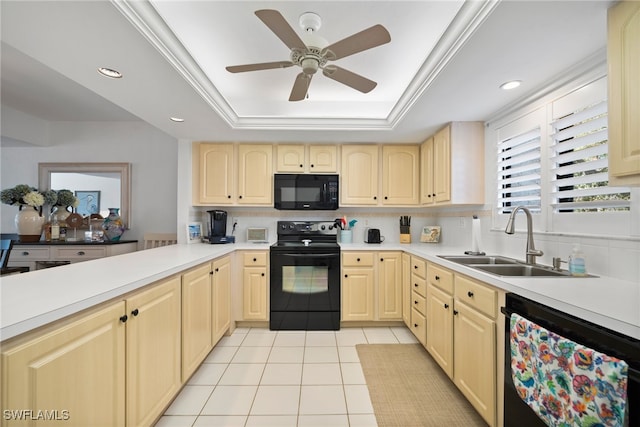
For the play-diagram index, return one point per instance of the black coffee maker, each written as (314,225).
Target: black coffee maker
(218,227)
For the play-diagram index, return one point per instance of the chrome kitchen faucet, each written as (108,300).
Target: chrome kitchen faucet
(531,252)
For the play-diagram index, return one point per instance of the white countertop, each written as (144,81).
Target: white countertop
(39,297)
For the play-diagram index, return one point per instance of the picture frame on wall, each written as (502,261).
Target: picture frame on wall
(88,202)
(194,232)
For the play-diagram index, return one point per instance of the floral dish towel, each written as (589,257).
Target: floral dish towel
(565,383)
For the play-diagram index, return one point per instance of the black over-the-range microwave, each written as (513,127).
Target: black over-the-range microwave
(305,192)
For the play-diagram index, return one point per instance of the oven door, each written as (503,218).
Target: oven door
(305,290)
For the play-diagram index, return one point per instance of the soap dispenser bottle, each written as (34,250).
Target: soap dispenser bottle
(577,265)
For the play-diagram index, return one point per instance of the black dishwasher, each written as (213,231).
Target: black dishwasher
(516,412)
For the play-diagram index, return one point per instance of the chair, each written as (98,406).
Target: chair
(5,251)
(155,240)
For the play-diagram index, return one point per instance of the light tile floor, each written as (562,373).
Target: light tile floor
(258,377)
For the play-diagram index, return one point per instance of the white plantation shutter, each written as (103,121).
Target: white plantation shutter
(579,166)
(519,171)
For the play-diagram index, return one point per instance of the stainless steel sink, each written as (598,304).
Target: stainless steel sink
(504,266)
(521,270)
(475,259)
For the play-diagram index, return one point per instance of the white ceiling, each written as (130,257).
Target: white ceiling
(445,62)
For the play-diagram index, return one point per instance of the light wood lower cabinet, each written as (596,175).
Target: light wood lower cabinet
(197,325)
(371,286)
(418,286)
(221,292)
(44,255)
(461,335)
(153,351)
(77,369)
(255,285)
(406,289)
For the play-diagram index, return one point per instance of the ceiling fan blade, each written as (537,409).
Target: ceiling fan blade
(257,67)
(281,28)
(365,39)
(349,78)
(300,87)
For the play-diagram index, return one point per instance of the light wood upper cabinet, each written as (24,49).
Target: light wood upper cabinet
(222,177)
(323,158)
(359,175)
(400,174)
(78,367)
(153,351)
(452,165)
(306,158)
(255,174)
(216,165)
(623,50)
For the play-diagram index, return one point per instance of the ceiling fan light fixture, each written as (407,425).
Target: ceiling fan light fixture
(309,65)
(510,84)
(110,72)
(310,22)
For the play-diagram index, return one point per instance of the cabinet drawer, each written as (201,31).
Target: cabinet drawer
(440,277)
(419,285)
(79,252)
(419,267)
(476,295)
(357,259)
(419,326)
(29,253)
(258,259)
(418,302)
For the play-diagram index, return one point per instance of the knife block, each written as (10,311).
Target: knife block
(405,234)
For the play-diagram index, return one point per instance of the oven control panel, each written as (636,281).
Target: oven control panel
(306,227)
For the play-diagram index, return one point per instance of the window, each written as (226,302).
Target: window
(580,168)
(553,160)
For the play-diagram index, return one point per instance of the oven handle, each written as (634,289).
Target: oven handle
(330,255)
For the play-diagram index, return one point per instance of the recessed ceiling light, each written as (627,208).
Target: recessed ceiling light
(176,119)
(109,72)
(510,85)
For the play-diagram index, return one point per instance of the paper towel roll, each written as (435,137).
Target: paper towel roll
(475,234)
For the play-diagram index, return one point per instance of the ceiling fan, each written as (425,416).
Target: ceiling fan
(312,52)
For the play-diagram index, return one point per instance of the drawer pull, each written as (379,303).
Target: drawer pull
(446,305)
(135,312)
(358,259)
(25,253)
(455,312)
(415,325)
(381,259)
(415,302)
(262,274)
(80,253)
(346,275)
(211,273)
(470,294)
(415,284)
(415,266)
(216,270)
(124,318)
(437,277)
(255,259)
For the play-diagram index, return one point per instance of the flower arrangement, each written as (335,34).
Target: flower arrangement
(25,195)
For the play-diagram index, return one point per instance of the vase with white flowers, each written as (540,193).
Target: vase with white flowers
(29,219)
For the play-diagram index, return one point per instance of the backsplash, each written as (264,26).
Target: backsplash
(617,258)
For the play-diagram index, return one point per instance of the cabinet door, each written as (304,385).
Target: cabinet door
(196,318)
(77,369)
(290,158)
(440,328)
(221,297)
(442,165)
(406,289)
(255,174)
(390,286)
(216,174)
(359,175)
(357,294)
(400,174)
(427,194)
(624,93)
(475,359)
(153,351)
(323,158)
(255,293)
